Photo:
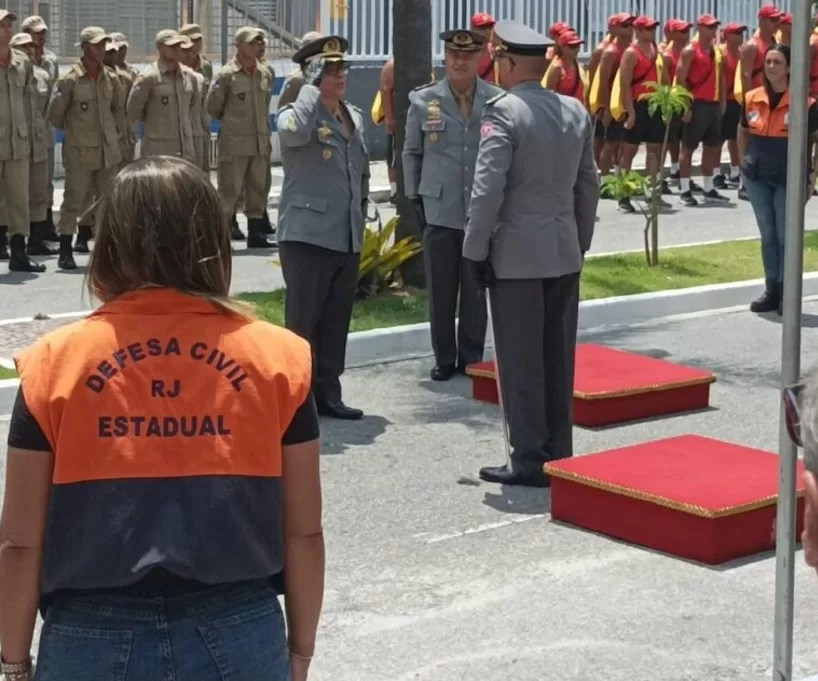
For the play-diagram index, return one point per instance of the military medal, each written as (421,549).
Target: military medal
(433,110)
(324,132)
(433,137)
(327,154)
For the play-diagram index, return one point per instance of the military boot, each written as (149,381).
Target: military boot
(268,226)
(50,228)
(84,234)
(235,233)
(36,240)
(19,260)
(66,261)
(256,238)
(769,300)
(4,243)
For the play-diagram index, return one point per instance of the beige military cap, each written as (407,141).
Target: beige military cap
(5,14)
(35,24)
(187,44)
(192,31)
(120,39)
(112,46)
(21,40)
(92,34)
(249,34)
(169,37)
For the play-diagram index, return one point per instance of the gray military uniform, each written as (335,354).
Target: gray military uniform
(532,213)
(321,227)
(439,155)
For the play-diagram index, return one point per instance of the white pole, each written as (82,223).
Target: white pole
(506,438)
(791,338)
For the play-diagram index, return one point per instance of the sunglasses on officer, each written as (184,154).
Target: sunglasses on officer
(791,397)
(336,69)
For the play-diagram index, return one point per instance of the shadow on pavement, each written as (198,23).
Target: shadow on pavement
(519,500)
(16,278)
(338,436)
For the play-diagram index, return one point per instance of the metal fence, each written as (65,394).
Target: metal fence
(367,24)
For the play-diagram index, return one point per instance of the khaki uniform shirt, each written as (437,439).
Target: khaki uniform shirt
(42,138)
(127,128)
(51,65)
(205,70)
(291,88)
(87,110)
(163,102)
(16,82)
(241,102)
(198,115)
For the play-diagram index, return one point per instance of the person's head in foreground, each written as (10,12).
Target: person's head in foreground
(801,414)
(162,461)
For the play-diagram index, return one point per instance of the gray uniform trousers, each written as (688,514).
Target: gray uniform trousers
(321,287)
(446,278)
(535,337)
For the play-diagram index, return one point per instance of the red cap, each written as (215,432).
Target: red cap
(707,20)
(678,26)
(644,23)
(733,28)
(482,20)
(769,11)
(557,29)
(620,19)
(569,38)
(786,19)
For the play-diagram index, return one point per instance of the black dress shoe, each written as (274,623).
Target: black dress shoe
(338,410)
(443,372)
(503,476)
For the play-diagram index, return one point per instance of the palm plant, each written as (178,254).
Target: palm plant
(670,101)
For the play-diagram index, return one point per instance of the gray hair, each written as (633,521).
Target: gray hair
(809,421)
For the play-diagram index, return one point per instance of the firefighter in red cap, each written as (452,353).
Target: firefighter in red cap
(565,75)
(753,51)
(732,36)
(483,23)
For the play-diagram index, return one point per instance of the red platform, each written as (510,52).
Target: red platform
(614,386)
(689,496)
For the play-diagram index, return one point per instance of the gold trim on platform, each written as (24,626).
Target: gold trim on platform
(654,388)
(690,509)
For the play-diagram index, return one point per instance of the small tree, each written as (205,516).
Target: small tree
(670,101)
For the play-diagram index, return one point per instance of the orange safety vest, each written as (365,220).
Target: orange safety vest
(158,398)
(767,148)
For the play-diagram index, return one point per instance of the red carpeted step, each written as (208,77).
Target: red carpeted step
(615,386)
(689,496)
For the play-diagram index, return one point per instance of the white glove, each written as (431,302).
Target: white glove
(313,72)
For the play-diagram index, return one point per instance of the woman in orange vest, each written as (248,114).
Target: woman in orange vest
(763,140)
(565,76)
(162,472)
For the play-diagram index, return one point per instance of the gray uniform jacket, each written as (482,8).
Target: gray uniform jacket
(536,187)
(326,176)
(440,150)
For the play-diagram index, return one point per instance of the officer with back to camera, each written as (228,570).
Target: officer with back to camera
(322,214)
(531,221)
(439,153)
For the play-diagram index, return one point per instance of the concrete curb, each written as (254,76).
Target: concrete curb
(412,341)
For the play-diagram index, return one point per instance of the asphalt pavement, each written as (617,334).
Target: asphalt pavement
(434,576)
(61,292)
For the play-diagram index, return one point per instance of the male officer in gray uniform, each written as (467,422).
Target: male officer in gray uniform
(531,220)
(321,214)
(439,153)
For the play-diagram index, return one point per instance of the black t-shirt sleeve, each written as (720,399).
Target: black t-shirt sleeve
(24,431)
(304,426)
(812,119)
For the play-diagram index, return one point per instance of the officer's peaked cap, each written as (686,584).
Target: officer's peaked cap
(329,48)
(516,39)
(462,40)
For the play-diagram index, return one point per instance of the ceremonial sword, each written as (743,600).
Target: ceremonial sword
(506,439)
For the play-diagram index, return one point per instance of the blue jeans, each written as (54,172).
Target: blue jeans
(228,633)
(770,207)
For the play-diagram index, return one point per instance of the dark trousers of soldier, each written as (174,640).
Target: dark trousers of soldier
(321,287)
(535,337)
(446,277)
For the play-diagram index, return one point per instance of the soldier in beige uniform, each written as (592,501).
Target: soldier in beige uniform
(87,104)
(115,59)
(240,100)
(162,98)
(204,67)
(122,54)
(16,81)
(39,198)
(201,135)
(262,50)
(36,27)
